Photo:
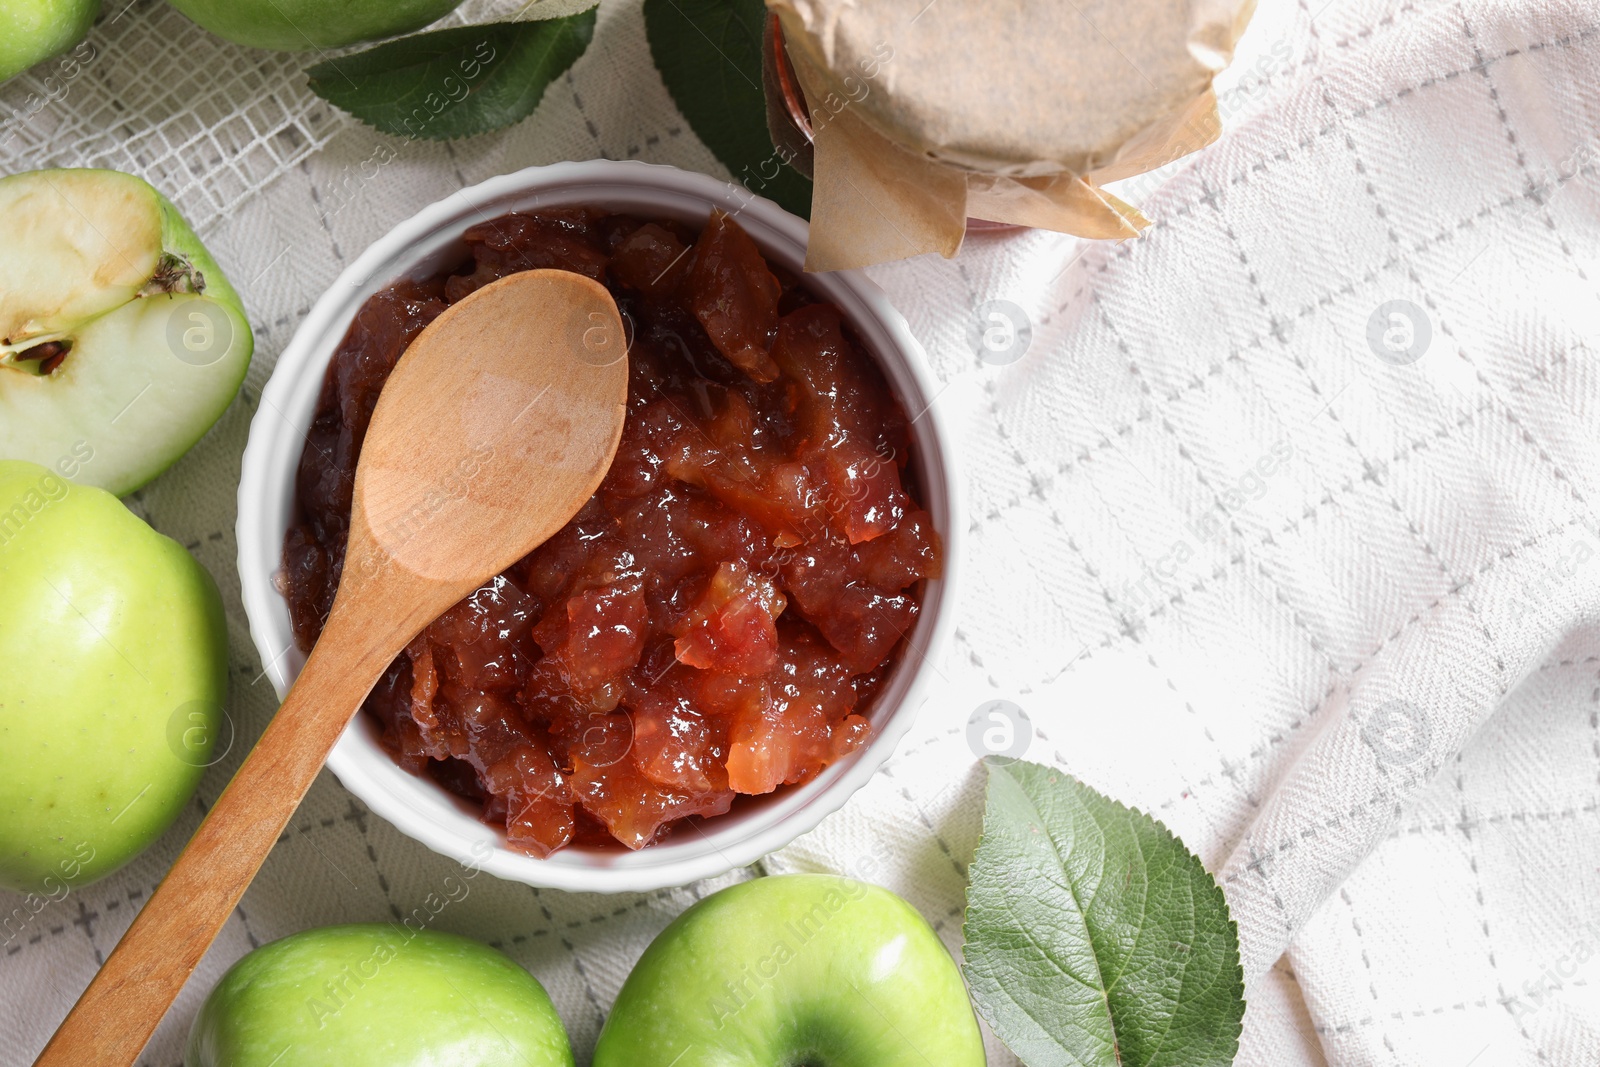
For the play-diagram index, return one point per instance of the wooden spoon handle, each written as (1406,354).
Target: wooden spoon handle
(112,1021)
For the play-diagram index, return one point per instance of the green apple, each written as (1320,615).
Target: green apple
(376,995)
(797,969)
(113,673)
(300,25)
(32,31)
(117,328)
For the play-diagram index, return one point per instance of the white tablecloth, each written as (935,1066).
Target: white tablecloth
(1283,527)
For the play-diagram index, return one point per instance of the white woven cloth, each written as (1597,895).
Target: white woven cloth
(1283,527)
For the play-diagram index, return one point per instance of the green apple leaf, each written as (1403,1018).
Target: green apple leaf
(1094,938)
(456,82)
(709,56)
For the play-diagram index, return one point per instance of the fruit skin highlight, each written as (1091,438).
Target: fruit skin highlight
(157,339)
(32,31)
(113,676)
(303,25)
(800,968)
(378,995)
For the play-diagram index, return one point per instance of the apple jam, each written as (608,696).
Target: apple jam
(718,617)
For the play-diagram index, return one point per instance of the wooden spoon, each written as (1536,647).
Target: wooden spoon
(496,426)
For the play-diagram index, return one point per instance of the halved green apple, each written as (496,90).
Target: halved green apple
(121,342)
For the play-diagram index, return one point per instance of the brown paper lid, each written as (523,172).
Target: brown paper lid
(1017,87)
(1015,111)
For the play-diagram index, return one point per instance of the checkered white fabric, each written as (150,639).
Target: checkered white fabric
(1282,524)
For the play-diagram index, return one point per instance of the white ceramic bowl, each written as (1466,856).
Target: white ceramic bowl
(430,241)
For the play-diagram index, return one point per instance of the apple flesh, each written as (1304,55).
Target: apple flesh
(32,31)
(378,995)
(299,25)
(118,331)
(113,674)
(796,969)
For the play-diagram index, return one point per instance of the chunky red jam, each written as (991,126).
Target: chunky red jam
(718,618)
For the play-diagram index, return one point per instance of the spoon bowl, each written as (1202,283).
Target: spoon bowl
(443,489)
(497,425)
